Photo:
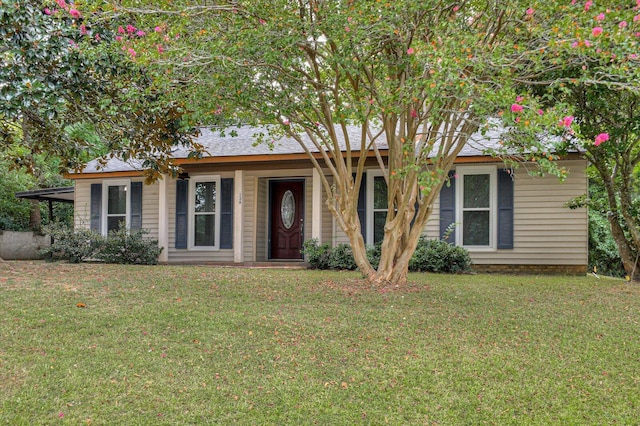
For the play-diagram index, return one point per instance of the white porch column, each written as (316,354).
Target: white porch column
(316,206)
(163,219)
(238,185)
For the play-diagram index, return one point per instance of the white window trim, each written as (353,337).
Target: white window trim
(491,170)
(192,210)
(371,175)
(105,201)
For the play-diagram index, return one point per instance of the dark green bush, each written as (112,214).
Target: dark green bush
(430,256)
(439,256)
(126,246)
(123,246)
(341,258)
(315,254)
(70,245)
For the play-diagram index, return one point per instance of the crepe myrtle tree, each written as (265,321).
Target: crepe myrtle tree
(421,77)
(67,92)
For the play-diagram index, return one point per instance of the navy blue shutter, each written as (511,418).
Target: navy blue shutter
(362,205)
(136,205)
(226,213)
(182,208)
(96,207)
(505,209)
(448,207)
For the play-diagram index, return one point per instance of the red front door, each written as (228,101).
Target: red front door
(287,213)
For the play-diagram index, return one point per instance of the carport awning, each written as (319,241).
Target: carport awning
(62,194)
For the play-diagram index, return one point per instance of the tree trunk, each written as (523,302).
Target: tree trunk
(35,216)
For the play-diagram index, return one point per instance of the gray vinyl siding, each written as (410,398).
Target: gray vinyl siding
(544,231)
(82,211)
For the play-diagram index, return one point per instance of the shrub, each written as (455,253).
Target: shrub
(317,255)
(430,256)
(439,256)
(73,246)
(122,246)
(341,258)
(129,247)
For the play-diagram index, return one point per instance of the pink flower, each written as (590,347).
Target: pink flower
(62,4)
(158,29)
(286,122)
(587,43)
(519,98)
(60,414)
(131,29)
(575,44)
(132,52)
(262,21)
(622,24)
(596,31)
(636,18)
(602,137)
(47,11)
(600,17)
(530,11)
(83,29)
(456,8)
(567,121)
(118,38)
(516,108)
(97,37)
(414,114)
(160,48)
(540,112)
(120,30)
(588,5)
(75,13)
(410,51)
(347,29)
(140,33)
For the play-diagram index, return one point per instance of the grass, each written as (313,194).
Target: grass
(204,345)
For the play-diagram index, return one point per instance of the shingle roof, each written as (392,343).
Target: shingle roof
(243,143)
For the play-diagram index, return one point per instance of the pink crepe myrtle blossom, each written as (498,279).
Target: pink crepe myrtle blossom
(140,33)
(540,112)
(588,5)
(530,11)
(410,51)
(118,38)
(131,29)
(97,37)
(62,4)
(602,137)
(131,52)
(519,99)
(600,17)
(120,30)
(47,11)
(160,48)
(575,44)
(83,29)
(75,13)
(587,43)
(566,121)
(622,24)
(158,29)
(636,18)
(596,31)
(516,108)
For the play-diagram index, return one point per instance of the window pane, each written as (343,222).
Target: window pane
(475,228)
(205,230)
(205,197)
(379,193)
(379,219)
(476,191)
(117,200)
(113,223)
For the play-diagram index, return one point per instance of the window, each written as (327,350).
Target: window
(204,212)
(476,200)
(116,203)
(376,208)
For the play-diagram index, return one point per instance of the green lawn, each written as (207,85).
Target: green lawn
(196,345)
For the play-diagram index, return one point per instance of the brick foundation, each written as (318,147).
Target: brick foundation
(533,269)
